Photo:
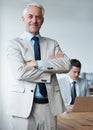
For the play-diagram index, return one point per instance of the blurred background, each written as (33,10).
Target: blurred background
(70,22)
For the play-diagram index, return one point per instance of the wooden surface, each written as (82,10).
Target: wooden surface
(75,121)
(83,104)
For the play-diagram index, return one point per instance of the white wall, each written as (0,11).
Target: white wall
(68,21)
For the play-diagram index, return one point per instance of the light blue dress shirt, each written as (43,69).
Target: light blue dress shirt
(40,65)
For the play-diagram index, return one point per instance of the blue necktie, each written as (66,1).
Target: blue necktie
(73,92)
(42,86)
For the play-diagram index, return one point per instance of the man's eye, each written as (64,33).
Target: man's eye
(39,17)
(30,16)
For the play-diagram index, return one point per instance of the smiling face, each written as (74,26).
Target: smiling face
(33,19)
(74,72)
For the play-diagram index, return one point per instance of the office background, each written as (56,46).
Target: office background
(70,22)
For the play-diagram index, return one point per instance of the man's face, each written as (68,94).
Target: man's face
(33,19)
(74,72)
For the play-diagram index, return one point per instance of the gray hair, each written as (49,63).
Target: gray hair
(34,4)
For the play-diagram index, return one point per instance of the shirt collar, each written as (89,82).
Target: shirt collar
(71,80)
(29,35)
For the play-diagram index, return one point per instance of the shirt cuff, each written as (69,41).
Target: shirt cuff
(40,65)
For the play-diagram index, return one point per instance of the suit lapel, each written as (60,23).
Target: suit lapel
(67,83)
(26,48)
(43,47)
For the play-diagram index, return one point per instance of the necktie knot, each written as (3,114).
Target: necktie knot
(35,38)
(74,82)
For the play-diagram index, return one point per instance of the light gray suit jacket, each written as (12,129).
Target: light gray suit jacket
(24,77)
(82,88)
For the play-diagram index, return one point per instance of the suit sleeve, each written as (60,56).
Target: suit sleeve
(52,65)
(18,67)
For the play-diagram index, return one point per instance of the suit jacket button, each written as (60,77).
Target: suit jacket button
(49,68)
(31,90)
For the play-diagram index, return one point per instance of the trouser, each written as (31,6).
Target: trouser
(40,118)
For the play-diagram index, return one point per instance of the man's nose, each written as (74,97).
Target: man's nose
(34,19)
(77,74)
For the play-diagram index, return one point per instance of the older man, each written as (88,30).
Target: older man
(34,61)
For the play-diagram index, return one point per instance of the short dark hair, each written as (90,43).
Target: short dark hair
(75,62)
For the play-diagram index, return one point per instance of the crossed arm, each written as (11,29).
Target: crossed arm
(35,63)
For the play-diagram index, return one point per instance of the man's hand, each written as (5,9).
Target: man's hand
(59,55)
(32,63)
(69,108)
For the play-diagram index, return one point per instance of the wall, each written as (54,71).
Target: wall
(70,22)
